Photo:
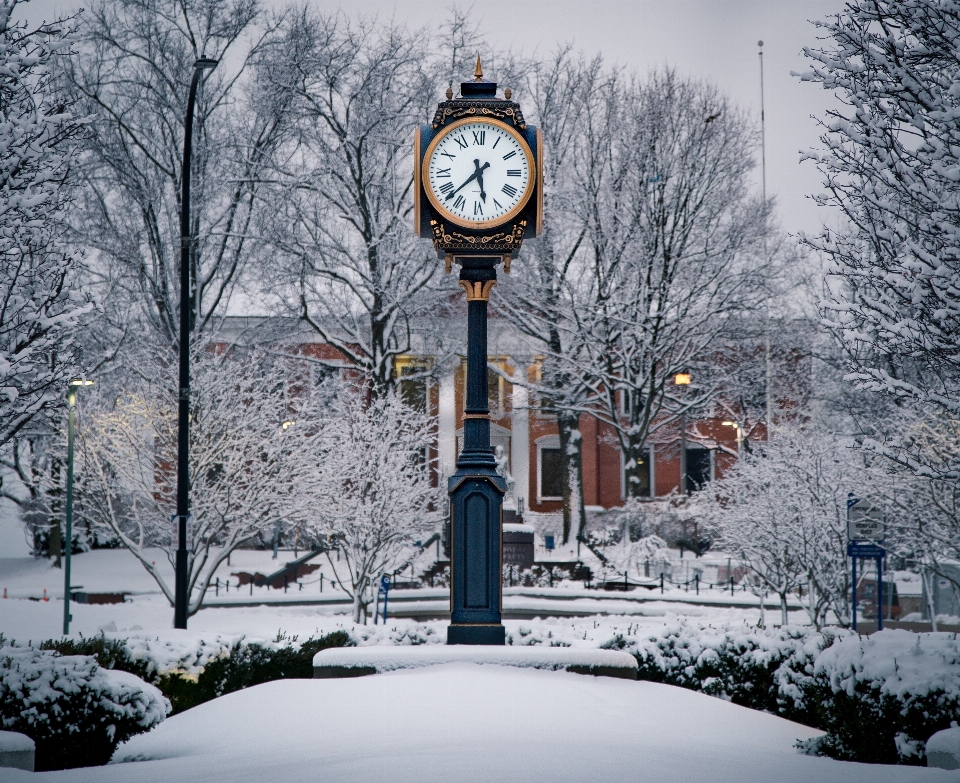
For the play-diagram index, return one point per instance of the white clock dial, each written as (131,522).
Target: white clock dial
(478,173)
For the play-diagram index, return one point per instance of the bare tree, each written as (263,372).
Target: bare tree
(347,262)
(371,494)
(783,509)
(563,91)
(246,461)
(673,239)
(133,71)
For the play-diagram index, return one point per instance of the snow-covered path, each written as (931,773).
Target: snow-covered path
(463,722)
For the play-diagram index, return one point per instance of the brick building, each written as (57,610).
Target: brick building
(528,439)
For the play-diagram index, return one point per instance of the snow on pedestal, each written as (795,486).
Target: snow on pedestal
(360,661)
(943,749)
(16,750)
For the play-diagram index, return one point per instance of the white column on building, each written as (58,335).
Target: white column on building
(520,442)
(447,424)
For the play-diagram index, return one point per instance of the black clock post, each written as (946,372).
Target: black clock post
(477,244)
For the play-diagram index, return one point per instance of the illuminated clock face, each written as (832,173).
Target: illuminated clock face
(478,173)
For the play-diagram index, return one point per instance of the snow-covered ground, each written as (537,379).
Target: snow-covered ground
(465,722)
(146,618)
(25,616)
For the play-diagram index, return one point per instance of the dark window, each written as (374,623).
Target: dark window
(551,473)
(698,469)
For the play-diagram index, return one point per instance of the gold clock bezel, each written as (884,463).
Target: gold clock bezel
(478,224)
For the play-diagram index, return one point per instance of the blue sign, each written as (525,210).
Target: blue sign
(385,582)
(865,550)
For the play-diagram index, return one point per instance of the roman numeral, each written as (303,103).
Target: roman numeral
(452,157)
(513,172)
(499,205)
(497,142)
(509,155)
(510,190)
(443,172)
(461,141)
(477,208)
(479,138)
(446,187)
(459,202)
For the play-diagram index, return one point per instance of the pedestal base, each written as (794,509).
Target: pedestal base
(361,661)
(476,634)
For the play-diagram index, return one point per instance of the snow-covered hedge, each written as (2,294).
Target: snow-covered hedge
(75,711)
(879,698)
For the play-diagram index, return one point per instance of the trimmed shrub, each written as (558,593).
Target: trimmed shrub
(879,698)
(247,664)
(75,711)
(243,665)
(110,654)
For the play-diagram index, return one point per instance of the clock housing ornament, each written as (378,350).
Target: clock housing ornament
(478,174)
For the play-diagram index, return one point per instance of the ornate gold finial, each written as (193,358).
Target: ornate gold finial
(449,93)
(478,71)
(477,291)
(508,93)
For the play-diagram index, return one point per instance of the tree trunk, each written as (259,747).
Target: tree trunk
(56,541)
(357,606)
(571,446)
(928,585)
(636,470)
(784,621)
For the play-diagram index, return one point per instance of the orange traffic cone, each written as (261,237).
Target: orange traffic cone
(45,594)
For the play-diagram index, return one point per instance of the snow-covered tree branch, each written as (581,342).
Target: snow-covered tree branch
(891,165)
(39,304)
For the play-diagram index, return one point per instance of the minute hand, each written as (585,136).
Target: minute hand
(468,180)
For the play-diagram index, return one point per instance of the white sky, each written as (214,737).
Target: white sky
(713,39)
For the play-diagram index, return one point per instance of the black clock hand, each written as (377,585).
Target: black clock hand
(477,172)
(483,193)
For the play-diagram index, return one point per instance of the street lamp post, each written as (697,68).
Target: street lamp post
(71,421)
(183,412)
(683,379)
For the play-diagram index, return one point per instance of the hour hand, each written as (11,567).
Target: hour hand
(477,172)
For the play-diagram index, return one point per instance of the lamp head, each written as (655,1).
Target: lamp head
(682,379)
(729,423)
(288,424)
(81,383)
(206,63)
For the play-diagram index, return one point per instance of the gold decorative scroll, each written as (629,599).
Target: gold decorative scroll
(501,111)
(479,290)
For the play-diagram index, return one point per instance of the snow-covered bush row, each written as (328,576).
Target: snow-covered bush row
(189,673)
(762,669)
(75,711)
(879,698)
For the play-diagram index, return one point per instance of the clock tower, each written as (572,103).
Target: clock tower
(477,196)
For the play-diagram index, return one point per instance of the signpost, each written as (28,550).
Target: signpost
(385,590)
(864,521)
(865,528)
